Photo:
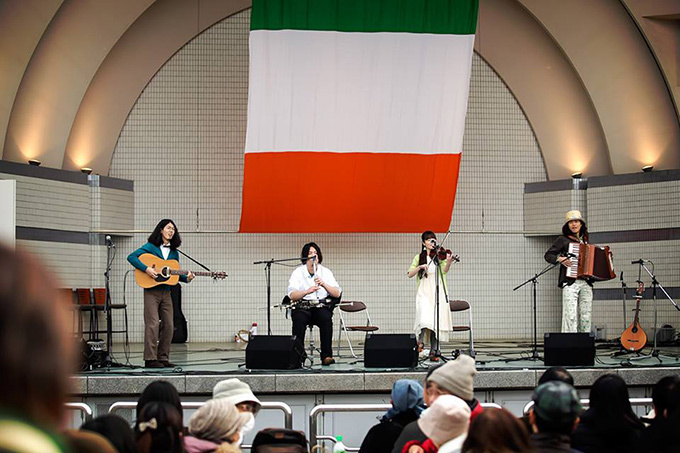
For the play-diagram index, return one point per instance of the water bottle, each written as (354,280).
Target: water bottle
(339,447)
(253,330)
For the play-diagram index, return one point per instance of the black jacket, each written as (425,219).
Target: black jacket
(381,437)
(552,443)
(560,248)
(410,432)
(596,435)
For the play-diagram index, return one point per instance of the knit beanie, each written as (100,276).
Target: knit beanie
(446,419)
(456,377)
(236,392)
(217,420)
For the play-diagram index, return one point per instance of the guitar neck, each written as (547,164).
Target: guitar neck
(197,273)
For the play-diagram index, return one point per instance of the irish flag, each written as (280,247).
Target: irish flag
(356,112)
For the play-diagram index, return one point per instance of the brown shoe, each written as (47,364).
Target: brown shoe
(167,364)
(328,361)
(152,364)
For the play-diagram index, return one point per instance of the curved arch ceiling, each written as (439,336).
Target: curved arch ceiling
(598,81)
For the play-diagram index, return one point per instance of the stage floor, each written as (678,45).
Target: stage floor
(502,365)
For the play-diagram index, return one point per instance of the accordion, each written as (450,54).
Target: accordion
(591,261)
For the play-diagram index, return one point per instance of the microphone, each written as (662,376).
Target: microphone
(570,255)
(109,241)
(640,261)
(623,283)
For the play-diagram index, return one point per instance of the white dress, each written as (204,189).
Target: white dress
(425,306)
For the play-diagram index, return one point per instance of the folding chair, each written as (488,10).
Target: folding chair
(353,307)
(463,305)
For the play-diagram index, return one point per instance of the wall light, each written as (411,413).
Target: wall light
(577,175)
(648,168)
(86,170)
(34,162)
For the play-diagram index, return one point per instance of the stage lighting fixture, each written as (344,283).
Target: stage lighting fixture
(86,170)
(577,175)
(34,162)
(647,168)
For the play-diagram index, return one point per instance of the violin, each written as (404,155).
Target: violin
(442,253)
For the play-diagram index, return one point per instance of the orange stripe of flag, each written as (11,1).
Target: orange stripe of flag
(305,192)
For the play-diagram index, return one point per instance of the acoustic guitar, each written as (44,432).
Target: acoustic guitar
(168,272)
(634,339)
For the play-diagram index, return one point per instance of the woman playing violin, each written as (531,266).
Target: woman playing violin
(423,265)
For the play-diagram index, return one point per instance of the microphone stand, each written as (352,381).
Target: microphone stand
(110,256)
(268,278)
(534,282)
(437,352)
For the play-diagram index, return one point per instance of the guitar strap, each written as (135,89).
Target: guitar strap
(204,267)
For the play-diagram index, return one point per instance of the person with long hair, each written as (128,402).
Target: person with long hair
(314,283)
(159,429)
(497,431)
(609,424)
(158,313)
(425,268)
(577,294)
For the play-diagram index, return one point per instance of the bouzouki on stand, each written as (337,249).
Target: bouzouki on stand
(168,272)
(634,339)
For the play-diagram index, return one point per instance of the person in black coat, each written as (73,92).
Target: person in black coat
(663,434)
(407,404)
(609,425)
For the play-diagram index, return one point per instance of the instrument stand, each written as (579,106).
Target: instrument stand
(268,278)
(534,283)
(655,284)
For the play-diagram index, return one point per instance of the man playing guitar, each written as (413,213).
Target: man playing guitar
(312,284)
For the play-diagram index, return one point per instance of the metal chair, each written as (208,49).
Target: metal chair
(86,304)
(463,305)
(353,307)
(100,299)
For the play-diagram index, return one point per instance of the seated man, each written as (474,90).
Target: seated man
(313,283)
(556,412)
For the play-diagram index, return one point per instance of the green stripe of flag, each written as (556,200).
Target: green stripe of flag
(457,17)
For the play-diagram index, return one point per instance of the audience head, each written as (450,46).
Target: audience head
(36,349)
(160,391)
(407,395)
(446,419)
(159,428)
(556,373)
(237,393)
(115,429)
(218,421)
(497,431)
(666,396)
(609,401)
(87,442)
(454,378)
(556,409)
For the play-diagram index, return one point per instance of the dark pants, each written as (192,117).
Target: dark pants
(157,338)
(321,317)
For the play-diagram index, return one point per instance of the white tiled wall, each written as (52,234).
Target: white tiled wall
(183,146)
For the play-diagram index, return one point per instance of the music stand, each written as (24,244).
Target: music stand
(534,282)
(268,278)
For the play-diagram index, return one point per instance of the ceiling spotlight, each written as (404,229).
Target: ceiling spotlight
(577,175)
(86,170)
(648,168)
(34,162)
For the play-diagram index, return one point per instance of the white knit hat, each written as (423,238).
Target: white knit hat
(217,420)
(456,377)
(236,392)
(446,419)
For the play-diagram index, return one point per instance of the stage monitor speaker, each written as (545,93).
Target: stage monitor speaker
(391,350)
(272,352)
(569,349)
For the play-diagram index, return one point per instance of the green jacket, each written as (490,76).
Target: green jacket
(133,258)
(442,265)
